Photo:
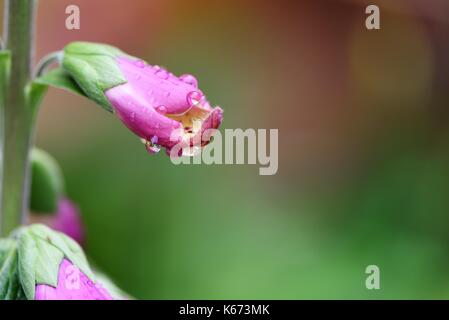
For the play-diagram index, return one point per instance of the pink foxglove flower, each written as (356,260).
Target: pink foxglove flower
(53,266)
(68,220)
(162,109)
(73,284)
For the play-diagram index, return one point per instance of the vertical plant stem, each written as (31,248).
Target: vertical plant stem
(18,117)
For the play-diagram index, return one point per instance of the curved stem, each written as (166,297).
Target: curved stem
(18,117)
(46,62)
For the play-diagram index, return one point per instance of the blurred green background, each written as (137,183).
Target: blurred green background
(363,150)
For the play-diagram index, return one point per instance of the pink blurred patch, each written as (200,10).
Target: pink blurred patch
(68,221)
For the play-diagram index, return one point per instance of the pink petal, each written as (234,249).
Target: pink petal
(73,284)
(157,86)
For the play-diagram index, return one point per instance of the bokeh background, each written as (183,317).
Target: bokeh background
(363,150)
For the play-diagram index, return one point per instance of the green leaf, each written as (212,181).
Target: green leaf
(47,182)
(61,79)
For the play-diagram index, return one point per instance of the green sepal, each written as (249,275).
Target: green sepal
(94,68)
(59,78)
(92,48)
(27,257)
(10,288)
(47,182)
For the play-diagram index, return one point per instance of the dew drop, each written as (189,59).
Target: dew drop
(189,79)
(163,74)
(151,145)
(161,109)
(153,149)
(194,97)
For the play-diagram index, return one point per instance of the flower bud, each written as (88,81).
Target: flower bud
(47,183)
(53,266)
(159,107)
(48,205)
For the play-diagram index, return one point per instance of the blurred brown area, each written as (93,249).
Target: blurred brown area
(327,81)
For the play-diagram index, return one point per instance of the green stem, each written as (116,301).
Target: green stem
(46,62)
(18,116)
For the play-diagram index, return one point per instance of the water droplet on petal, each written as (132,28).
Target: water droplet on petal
(139,63)
(132,116)
(163,74)
(161,109)
(194,97)
(189,79)
(153,149)
(151,146)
